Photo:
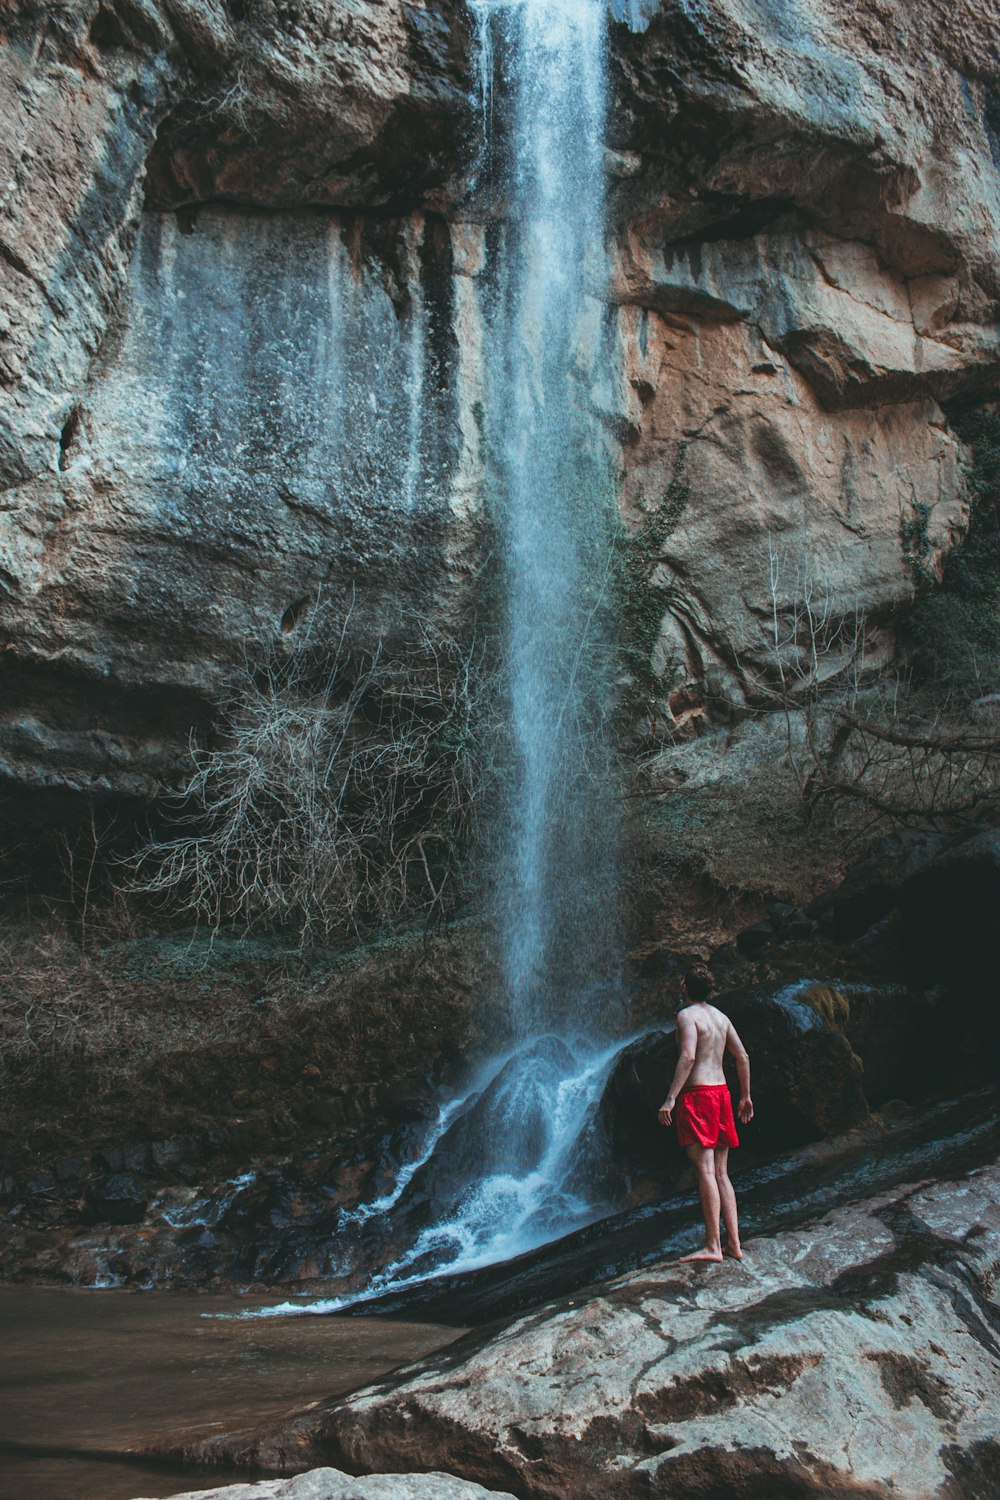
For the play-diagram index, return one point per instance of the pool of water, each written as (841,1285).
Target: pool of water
(87,1376)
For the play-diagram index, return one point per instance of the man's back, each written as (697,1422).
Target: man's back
(711,1033)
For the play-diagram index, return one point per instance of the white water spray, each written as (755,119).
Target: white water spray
(524,1121)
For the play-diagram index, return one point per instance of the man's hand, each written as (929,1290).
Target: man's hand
(746,1110)
(666,1113)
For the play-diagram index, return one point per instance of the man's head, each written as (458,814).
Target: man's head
(698,984)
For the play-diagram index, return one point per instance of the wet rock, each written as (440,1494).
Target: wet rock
(174,1154)
(897,1034)
(111,1158)
(806,1078)
(243,1137)
(118,1199)
(871,888)
(950,931)
(516,1096)
(849,1356)
(789,922)
(753,940)
(137,1156)
(326,1111)
(71,1169)
(808,1044)
(331,1484)
(626,1145)
(39,1185)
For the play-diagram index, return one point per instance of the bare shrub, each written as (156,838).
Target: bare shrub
(166,1031)
(341,795)
(858,735)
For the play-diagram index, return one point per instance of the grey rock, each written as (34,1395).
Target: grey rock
(753,940)
(331,1484)
(119,1199)
(70,1169)
(852,1355)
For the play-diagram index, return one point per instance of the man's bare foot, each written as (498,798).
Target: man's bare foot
(734,1254)
(712,1255)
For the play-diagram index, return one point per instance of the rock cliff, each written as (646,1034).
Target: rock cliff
(240,339)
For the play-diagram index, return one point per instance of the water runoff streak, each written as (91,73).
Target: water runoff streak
(508,1165)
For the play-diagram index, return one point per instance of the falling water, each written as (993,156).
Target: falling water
(550,481)
(508,1166)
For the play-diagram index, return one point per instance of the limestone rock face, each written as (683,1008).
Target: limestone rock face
(255,443)
(271,389)
(855,1356)
(785,497)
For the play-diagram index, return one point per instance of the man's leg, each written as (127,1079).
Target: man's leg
(702,1158)
(727,1202)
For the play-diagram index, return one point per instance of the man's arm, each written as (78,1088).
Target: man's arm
(739,1052)
(687,1039)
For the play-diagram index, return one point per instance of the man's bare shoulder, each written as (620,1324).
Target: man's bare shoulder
(713,1015)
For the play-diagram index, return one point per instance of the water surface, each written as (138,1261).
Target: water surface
(88,1375)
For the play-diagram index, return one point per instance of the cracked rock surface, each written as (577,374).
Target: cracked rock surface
(858,1356)
(330,1484)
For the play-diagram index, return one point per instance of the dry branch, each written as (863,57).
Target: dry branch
(341,795)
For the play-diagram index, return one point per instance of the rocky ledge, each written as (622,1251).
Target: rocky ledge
(856,1356)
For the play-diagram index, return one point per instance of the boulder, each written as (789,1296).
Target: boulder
(853,1356)
(626,1148)
(117,1199)
(806,1078)
(893,1030)
(331,1484)
(504,1128)
(753,940)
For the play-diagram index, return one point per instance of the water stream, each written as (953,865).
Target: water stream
(504,1169)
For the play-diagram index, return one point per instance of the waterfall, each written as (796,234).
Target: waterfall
(509,1165)
(549,484)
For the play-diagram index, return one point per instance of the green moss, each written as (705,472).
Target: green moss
(915,538)
(641,599)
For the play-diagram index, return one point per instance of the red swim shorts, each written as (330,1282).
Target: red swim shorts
(705,1116)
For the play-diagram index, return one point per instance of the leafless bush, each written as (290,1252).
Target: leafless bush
(852,733)
(233,100)
(60,1014)
(341,795)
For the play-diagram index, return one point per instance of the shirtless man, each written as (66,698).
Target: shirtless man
(700,1094)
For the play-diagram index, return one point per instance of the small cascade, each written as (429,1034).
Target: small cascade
(507,1166)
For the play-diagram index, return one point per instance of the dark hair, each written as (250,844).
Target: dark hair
(698,982)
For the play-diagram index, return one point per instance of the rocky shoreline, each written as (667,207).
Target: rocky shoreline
(856,1355)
